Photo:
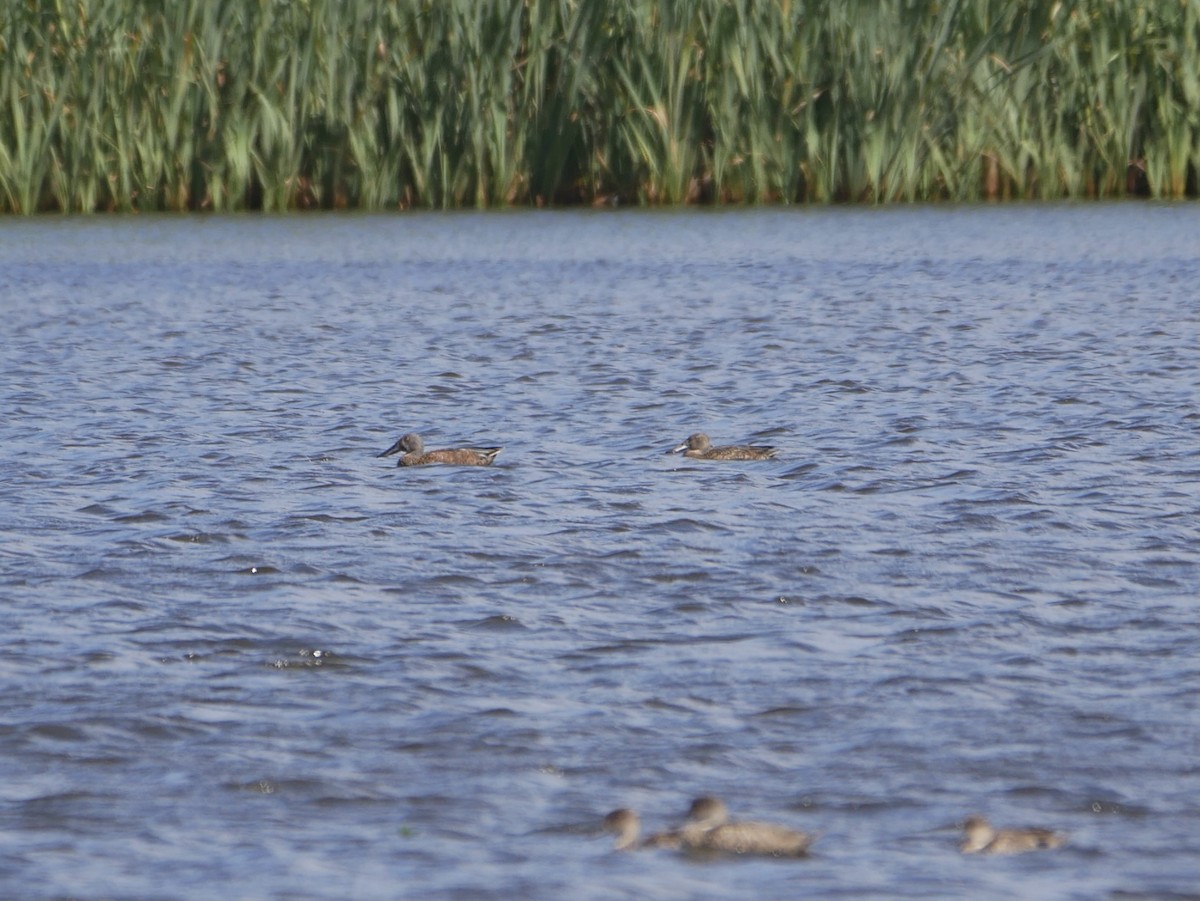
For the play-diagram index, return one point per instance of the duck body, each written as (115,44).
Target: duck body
(416,455)
(981,838)
(708,830)
(749,837)
(699,447)
(627,826)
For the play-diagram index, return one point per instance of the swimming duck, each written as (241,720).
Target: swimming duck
(699,447)
(708,829)
(627,826)
(416,455)
(981,838)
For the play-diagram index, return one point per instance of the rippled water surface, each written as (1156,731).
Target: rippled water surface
(242,657)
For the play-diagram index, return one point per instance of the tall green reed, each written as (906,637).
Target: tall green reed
(282,104)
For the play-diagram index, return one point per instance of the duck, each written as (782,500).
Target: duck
(708,829)
(626,825)
(980,837)
(416,455)
(700,447)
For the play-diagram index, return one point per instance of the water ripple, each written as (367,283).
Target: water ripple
(242,649)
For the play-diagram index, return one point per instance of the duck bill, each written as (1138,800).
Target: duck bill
(676,450)
(391,450)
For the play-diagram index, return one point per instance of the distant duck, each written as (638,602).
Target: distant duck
(626,825)
(416,455)
(979,837)
(708,829)
(699,447)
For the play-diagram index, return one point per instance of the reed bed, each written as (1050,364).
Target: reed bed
(378,104)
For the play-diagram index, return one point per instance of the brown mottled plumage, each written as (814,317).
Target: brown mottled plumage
(416,455)
(980,838)
(709,830)
(699,447)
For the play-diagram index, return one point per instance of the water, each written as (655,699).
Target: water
(241,657)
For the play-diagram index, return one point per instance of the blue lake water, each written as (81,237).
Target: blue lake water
(242,657)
